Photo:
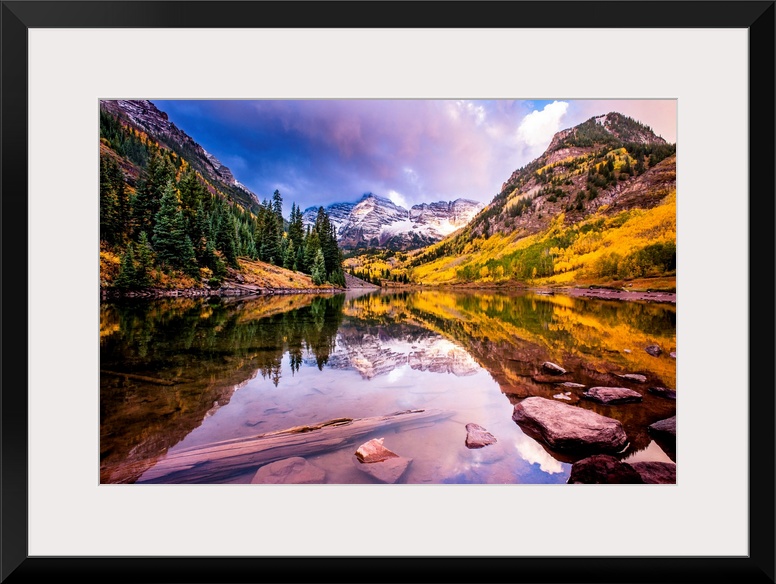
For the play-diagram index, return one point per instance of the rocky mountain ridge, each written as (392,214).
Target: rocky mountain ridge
(143,115)
(377,222)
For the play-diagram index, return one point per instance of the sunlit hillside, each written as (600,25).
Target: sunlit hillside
(592,210)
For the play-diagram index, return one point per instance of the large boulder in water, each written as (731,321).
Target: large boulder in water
(612,395)
(567,427)
(602,469)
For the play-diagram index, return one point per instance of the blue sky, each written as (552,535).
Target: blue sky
(317,152)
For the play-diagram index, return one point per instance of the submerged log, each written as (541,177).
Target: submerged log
(223,460)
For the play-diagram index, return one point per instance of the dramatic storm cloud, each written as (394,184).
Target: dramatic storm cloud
(317,152)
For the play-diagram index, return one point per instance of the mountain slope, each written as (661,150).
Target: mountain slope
(378,223)
(149,122)
(598,206)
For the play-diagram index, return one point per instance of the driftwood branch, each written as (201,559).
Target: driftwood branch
(223,460)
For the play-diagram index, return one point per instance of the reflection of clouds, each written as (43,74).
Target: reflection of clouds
(533,452)
(395,375)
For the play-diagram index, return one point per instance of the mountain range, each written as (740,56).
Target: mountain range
(378,223)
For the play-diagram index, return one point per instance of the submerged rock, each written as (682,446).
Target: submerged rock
(567,427)
(374,451)
(572,385)
(289,471)
(673,354)
(656,472)
(478,437)
(612,395)
(664,428)
(663,392)
(380,463)
(602,469)
(388,471)
(637,377)
(654,350)
(562,396)
(552,368)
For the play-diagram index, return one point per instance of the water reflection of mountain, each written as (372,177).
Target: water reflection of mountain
(374,350)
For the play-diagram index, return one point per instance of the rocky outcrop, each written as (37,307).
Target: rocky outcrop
(295,470)
(145,116)
(656,472)
(478,437)
(378,222)
(603,469)
(567,427)
(612,395)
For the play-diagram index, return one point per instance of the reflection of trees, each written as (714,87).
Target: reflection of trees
(198,350)
(160,338)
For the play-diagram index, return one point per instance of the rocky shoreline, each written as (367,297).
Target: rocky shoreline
(610,294)
(236,289)
(241,290)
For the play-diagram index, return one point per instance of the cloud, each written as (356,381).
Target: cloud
(537,128)
(398,199)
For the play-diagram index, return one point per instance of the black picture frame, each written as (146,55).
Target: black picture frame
(19,16)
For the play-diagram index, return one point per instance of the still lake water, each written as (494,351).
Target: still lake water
(208,370)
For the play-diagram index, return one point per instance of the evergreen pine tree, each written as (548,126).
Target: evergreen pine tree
(170,230)
(127,278)
(318,272)
(145,261)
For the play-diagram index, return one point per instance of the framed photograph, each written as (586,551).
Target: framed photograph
(336,302)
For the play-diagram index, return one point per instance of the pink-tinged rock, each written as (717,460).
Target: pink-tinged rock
(663,392)
(572,385)
(656,472)
(289,471)
(602,469)
(374,451)
(612,395)
(636,377)
(477,436)
(388,471)
(552,368)
(567,427)
(665,428)
(673,354)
